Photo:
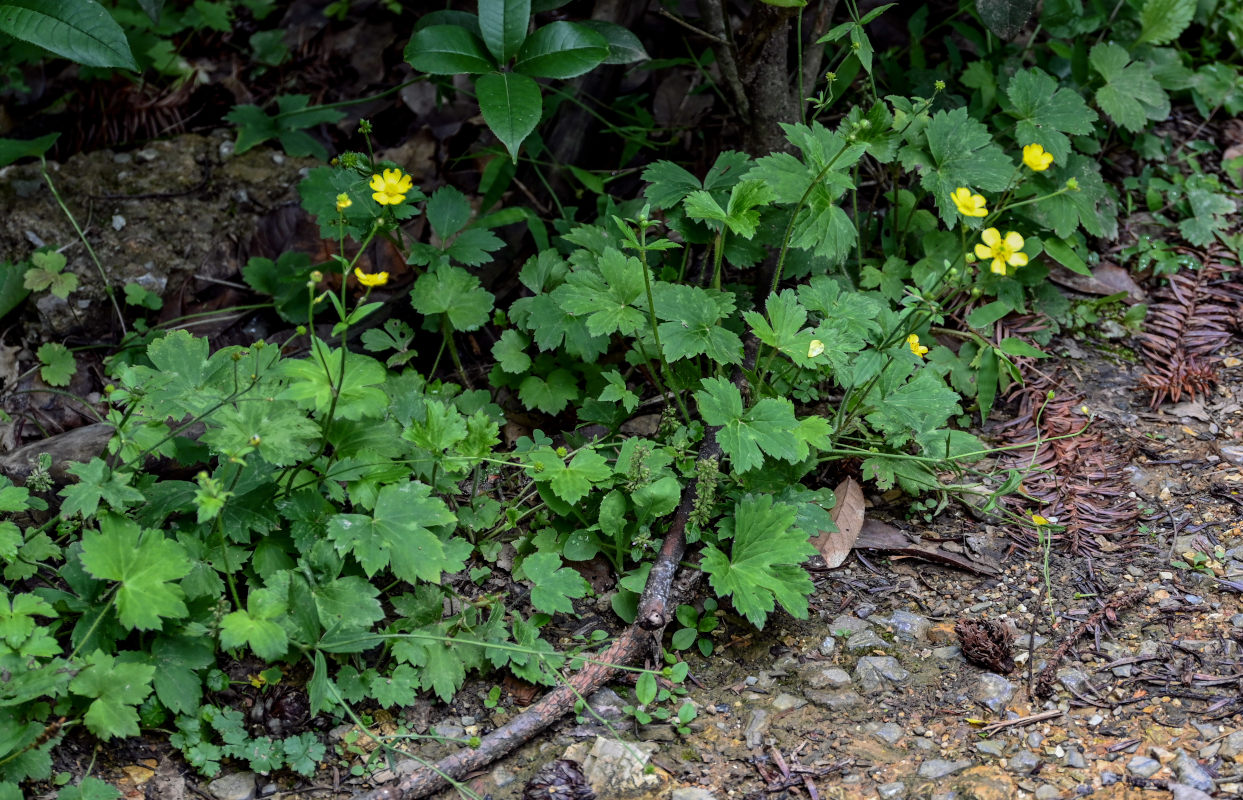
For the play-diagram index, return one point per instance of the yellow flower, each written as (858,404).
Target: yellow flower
(343,202)
(391,187)
(370,281)
(969,205)
(1001,250)
(816,348)
(1039,520)
(918,349)
(1035,157)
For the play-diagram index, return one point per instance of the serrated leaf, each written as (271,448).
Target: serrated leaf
(91,788)
(97,482)
(511,105)
(1163,21)
(606,299)
(550,395)
(58,364)
(960,152)
(117,687)
(144,563)
(456,293)
(1005,18)
(256,626)
(277,430)
(919,405)
(1046,112)
(1130,96)
(397,535)
(668,183)
(561,50)
(553,585)
(510,352)
(767,427)
(447,211)
(397,688)
(312,383)
(693,327)
(573,481)
(762,566)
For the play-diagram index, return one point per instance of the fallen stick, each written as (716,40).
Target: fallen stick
(1043,687)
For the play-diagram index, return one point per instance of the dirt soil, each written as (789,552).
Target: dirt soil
(871,696)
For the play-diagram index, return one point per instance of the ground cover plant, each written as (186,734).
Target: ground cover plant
(341,511)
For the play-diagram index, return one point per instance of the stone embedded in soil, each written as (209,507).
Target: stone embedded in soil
(1023,761)
(1143,766)
(1075,759)
(939,768)
(788,702)
(984,783)
(691,793)
(848,624)
(909,627)
(948,653)
(992,747)
(993,692)
(615,769)
(822,676)
(502,777)
(890,732)
(829,646)
(757,723)
(1179,791)
(865,640)
(1191,773)
(1048,792)
(1075,680)
(889,791)
(1232,745)
(238,786)
(835,701)
(606,704)
(874,672)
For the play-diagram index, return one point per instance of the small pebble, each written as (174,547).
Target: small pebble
(1048,792)
(939,768)
(1143,766)
(993,747)
(1023,761)
(890,791)
(1075,759)
(890,732)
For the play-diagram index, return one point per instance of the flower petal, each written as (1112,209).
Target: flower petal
(991,237)
(983,252)
(1019,259)
(1014,241)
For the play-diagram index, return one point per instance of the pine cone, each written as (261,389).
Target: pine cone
(562,779)
(985,643)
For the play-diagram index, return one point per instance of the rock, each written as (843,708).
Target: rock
(657,733)
(449,730)
(616,769)
(1075,759)
(757,723)
(691,793)
(889,733)
(848,624)
(993,692)
(835,701)
(939,768)
(875,672)
(909,627)
(788,702)
(238,786)
(889,791)
(865,640)
(1034,739)
(992,747)
(1191,773)
(1232,745)
(820,676)
(985,783)
(1237,620)
(1048,792)
(829,646)
(1109,778)
(502,777)
(1074,680)
(1143,766)
(1179,791)
(606,704)
(948,653)
(1023,761)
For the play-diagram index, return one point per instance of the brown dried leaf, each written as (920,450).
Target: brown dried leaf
(847,513)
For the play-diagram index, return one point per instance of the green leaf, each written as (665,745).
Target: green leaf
(561,50)
(397,535)
(91,788)
(741,217)
(312,383)
(552,585)
(1017,347)
(921,404)
(1005,18)
(781,330)
(453,291)
(303,753)
(178,659)
(984,316)
(767,427)
(116,688)
(550,395)
(624,46)
(144,563)
(510,352)
(503,24)
(58,364)
(693,327)
(447,211)
(275,429)
(292,115)
(763,564)
(1163,21)
(617,391)
(668,183)
(398,688)
(13,149)
(256,626)
(606,299)
(97,482)
(448,50)
(960,152)
(511,106)
(79,30)
(1131,95)
(570,482)
(48,273)
(1064,254)
(1046,112)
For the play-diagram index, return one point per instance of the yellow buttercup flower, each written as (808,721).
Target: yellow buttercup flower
(969,205)
(343,202)
(918,349)
(391,187)
(1039,520)
(816,348)
(1035,157)
(369,280)
(1003,251)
